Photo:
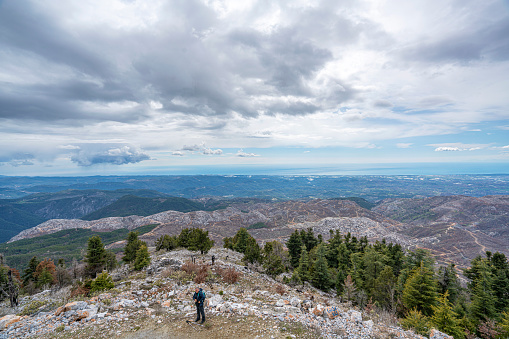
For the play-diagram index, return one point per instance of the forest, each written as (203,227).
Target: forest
(377,277)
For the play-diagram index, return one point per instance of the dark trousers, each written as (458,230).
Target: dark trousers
(200,311)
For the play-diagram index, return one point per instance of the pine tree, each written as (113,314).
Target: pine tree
(444,318)
(373,263)
(303,269)
(240,240)
(252,253)
(321,277)
(420,291)
(199,241)
(142,257)
(417,321)
(45,273)
(504,324)
(102,282)
(385,288)
(28,273)
(95,257)
(483,299)
(183,238)
(110,261)
(448,282)
(133,243)
(294,245)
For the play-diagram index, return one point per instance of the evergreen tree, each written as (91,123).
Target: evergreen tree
(294,245)
(228,243)
(444,318)
(340,281)
(308,239)
(29,271)
(166,242)
(45,273)
(385,288)
(111,261)
(102,282)
(504,324)
(483,299)
(303,269)
(417,321)
(199,241)
(252,253)
(45,278)
(321,277)
(500,270)
(274,258)
(142,257)
(240,240)
(95,257)
(420,291)
(373,263)
(333,248)
(183,238)
(133,244)
(448,282)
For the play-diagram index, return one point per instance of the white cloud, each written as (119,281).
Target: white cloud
(178,153)
(404,145)
(209,151)
(447,149)
(243,154)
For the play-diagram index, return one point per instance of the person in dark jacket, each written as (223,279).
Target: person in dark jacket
(199,299)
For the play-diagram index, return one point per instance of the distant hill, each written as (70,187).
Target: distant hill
(67,244)
(19,214)
(359,201)
(134,205)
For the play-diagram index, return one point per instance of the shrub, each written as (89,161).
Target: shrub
(280,289)
(202,274)
(102,282)
(230,275)
(190,268)
(33,307)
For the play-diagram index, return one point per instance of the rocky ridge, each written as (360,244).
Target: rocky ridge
(220,223)
(154,304)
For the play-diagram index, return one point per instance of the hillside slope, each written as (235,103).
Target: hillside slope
(157,303)
(17,215)
(458,228)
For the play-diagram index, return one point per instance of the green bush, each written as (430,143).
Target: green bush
(102,282)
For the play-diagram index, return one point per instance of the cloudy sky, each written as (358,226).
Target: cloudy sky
(126,86)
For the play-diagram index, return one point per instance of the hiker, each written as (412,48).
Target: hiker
(199,299)
(213,259)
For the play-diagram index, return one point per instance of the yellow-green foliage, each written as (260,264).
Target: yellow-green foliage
(102,282)
(33,307)
(417,321)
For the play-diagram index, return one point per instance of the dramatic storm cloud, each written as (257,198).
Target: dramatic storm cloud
(190,83)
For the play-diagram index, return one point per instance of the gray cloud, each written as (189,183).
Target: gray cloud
(120,155)
(201,60)
(486,39)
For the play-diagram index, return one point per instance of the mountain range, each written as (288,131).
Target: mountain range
(454,228)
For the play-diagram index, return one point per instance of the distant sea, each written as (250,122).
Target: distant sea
(345,169)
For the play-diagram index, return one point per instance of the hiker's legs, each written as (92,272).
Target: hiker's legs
(197,312)
(202,311)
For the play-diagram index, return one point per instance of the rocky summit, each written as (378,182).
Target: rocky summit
(156,303)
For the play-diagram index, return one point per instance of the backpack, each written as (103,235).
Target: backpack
(203,294)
